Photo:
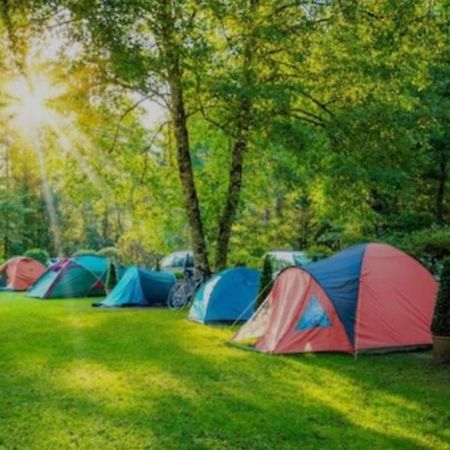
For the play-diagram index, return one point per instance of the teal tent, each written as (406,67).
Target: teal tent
(228,296)
(139,287)
(81,276)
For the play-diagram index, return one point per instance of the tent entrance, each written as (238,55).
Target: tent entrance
(255,327)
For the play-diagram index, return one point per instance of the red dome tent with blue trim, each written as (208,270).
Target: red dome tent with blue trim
(368,297)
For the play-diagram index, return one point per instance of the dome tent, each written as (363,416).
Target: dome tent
(19,273)
(227,296)
(80,276)
(139,287)
(368,297)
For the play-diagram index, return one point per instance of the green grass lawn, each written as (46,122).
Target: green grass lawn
(72,376)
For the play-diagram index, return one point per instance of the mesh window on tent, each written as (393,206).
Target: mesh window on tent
(314,316)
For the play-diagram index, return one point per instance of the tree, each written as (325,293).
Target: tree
(167,33)
(155,68)
(240,135)
(111,276)
(266,282)
(284,123)
(441,318)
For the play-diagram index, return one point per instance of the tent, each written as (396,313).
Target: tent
(227,296)
(139,287)
(80,276)
(19,273)
(177,262)
(368,297)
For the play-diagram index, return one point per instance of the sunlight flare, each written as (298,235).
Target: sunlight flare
(27,109)
(28,101)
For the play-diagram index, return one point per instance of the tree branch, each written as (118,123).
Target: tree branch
(148,148)
(122,117)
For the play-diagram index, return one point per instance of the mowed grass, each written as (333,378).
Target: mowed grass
(72,376)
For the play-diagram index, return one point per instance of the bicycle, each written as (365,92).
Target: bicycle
(182,293)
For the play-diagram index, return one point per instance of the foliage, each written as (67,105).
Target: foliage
(108,252)
(111,276)
(346,112)
(84,252)
(133,251)
(441,319)
(23,221)
(317,252)
(266,281)
(38,254)
(430,246)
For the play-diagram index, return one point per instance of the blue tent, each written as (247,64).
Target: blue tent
(229,295)
(139,287)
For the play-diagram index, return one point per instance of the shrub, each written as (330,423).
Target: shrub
(109,252)
(38,254)
(430,246)
(266,282)
(317,252)
(336,240)
(111,276)
(179,275)
(85,251)
(441,319)
(330,239)
(351,238)
(434,242)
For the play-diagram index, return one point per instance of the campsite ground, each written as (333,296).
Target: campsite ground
(72,376)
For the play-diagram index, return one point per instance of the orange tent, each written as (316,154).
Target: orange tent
(19,273)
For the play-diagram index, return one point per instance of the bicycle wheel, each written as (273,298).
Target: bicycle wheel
(178,296)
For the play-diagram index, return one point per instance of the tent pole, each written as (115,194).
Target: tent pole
(251,304)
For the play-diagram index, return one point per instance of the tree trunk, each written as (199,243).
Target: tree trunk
(186,173)
(237,158)
(171,55)
(442,182)
(234,192)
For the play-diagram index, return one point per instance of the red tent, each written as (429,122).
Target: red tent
(368,297)
(20,273)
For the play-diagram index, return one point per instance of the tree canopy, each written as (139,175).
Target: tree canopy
(229,127)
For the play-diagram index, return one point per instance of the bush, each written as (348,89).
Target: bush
(330,239)
(317,252)
(430,246)
(179,275)
(111,276)
(109,252)
(265,285)
(349,239)
(85,251)
(38,254)
(336,240)
(441,319)
(432,242)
